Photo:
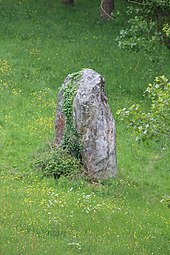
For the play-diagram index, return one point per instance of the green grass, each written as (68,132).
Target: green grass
(74,218)
(41,42)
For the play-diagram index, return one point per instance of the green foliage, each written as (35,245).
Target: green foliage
(140,34)
(57,163)
(166,34)
(155,6)
(71,140)
(144,27)
(166,29)
(156,122)
(151,7)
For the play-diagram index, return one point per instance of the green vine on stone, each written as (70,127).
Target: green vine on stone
(71,140)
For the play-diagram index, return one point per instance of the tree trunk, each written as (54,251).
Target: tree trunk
(68,2)
(106,9)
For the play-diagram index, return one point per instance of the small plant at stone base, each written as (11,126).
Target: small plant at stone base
(57,163)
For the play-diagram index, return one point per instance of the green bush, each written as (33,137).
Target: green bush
(155,123)
(145,27)
(140,34)
(56,163)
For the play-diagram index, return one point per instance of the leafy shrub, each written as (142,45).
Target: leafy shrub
(156,122)
(166,29)
(57,162)
(152,6)
(166,34)
(155,6)
(140,34)
(145,26)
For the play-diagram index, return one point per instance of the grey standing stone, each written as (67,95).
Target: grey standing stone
(94,124)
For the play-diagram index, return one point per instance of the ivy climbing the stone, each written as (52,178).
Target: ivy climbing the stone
(71,140)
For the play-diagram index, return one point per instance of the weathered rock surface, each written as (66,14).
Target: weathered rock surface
(94,124)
